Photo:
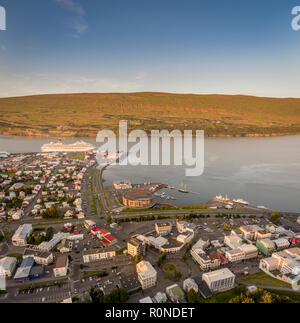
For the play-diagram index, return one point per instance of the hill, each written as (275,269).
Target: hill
(76,115)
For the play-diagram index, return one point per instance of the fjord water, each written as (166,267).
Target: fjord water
(263,171)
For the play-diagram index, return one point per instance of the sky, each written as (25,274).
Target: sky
(179,46)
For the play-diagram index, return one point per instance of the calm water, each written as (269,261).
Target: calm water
(263,171)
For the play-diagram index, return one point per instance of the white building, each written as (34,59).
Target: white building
(235,255)
(219,280)
(233,241)
(19,239)
(164,228)
(8,265)
(61,266)
(189,284)
(160,298)
(147,275)
(98,254)
(281,243)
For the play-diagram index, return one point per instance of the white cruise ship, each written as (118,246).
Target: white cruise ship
(240,201)
(4,154)
(79,146)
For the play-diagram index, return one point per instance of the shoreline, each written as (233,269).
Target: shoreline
(246,135)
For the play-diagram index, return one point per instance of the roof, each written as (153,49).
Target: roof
(176,291)
(97,251)
(138,195)
(37,271)
(23,231)
(219,274)
(27,262)
(8,263)
(145,269)
(61,261)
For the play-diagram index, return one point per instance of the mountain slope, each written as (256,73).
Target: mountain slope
(85,114)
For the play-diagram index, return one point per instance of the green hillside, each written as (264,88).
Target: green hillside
(85,114)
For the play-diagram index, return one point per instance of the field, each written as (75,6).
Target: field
(74,115)
(263,279)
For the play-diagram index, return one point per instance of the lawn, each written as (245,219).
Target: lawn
(224,297)
(263,279)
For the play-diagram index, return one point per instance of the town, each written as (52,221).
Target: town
(66,236)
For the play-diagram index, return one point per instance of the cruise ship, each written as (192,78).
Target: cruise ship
(4,154)
(241,201)
(79,146)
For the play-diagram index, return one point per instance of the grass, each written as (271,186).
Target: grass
(218,115)
(263,279)
(77,156)
(224,297)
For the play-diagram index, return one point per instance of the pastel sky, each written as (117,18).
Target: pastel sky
(181,46)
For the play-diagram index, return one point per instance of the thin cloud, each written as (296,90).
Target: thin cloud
(71,6)
(78,23)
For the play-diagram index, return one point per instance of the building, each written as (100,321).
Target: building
(136,248)
(235,255)
(298,220)
(8,265)
(175,294)
(160,298)
(37,272)
(284,262)
(163,229)
(206,262)
(281,243)
(266,246)
(185,238)
(147,275)
(157,243)
(249,232)
(233,241)
(89,224)
(23,272)
(219,280)
(56,239)
(138,199)
(189,284)
(124,185)
(40,257)
(249,250)
(61,266)
(99,254)
(19,239)
(183,226)
(146,300)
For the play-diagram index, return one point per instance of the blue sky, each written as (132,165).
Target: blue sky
(181,46)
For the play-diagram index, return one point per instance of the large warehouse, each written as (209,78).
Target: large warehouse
(138,199)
